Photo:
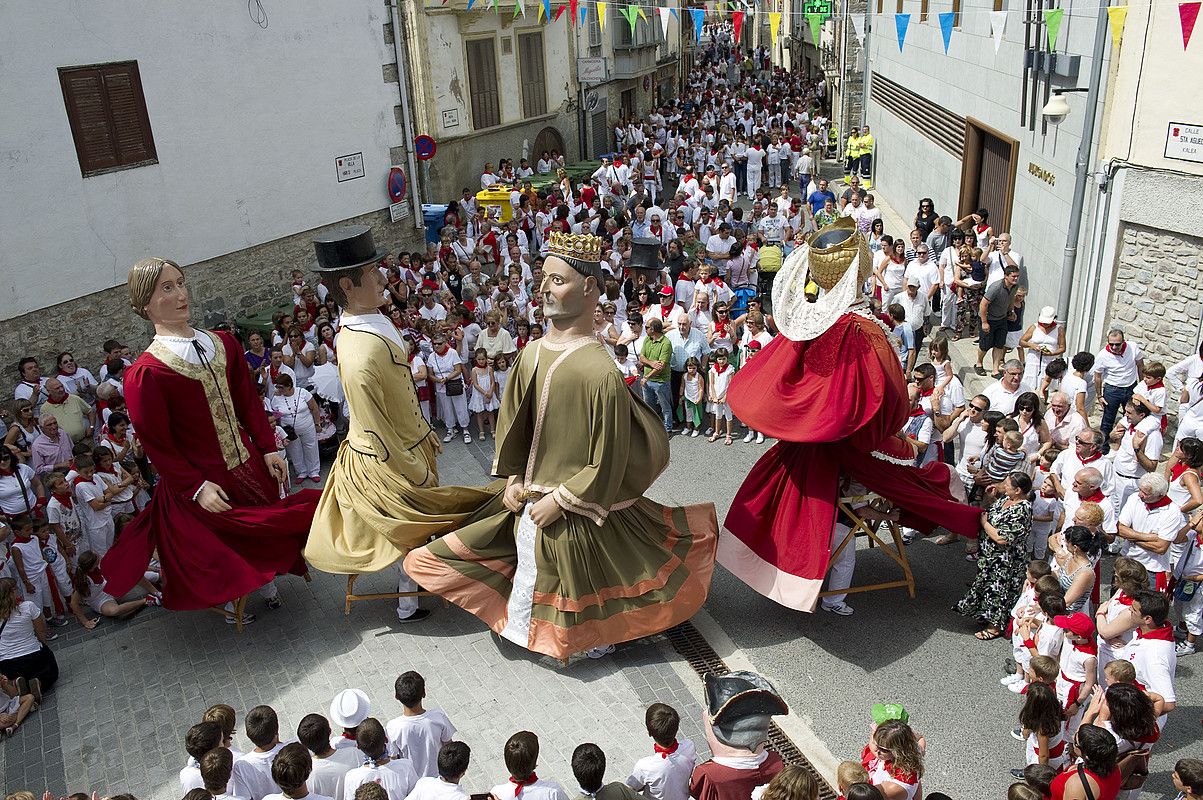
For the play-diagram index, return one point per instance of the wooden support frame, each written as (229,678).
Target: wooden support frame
(351,597)
(896,549)
(236,614)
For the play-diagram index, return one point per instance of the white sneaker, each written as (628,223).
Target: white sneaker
(1184,649)
(450,435)
(1007,681)
(751,435)
(760,438)
(693,433)
(843,609)
(467,438)
(1018,686)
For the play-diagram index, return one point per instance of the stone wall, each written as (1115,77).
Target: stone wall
(1158,294)
(226,287)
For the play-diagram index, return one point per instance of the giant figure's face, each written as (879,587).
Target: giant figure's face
(168,303)
(565,292)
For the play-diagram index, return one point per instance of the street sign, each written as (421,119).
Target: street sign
(424,147)
(591,70)
(349,167)
(396,184)
(817,7)
(1184,141)
(398,211)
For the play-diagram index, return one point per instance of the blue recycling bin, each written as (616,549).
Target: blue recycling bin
(432,217)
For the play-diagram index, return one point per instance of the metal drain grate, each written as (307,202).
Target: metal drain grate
(691,646)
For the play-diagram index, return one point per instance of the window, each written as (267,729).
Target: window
(482,83)
(530,72)
(880,4)
(898,8)
(595,39)
(923,10)
(107,113)
(956,13)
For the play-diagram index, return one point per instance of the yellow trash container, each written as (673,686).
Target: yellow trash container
(495,203)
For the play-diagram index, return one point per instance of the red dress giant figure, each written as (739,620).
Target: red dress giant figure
(831,389)
(216,518)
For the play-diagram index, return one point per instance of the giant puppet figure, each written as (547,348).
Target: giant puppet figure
(830,388)
(382,496)
(217,517)
(578,559)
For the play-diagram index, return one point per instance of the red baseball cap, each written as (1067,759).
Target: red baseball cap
(1077,623)
(666,291)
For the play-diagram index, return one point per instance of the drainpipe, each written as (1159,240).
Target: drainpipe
(864,48)
(1082,165)
(407,122)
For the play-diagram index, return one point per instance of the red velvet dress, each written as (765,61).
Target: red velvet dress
(199,426)
(836,403)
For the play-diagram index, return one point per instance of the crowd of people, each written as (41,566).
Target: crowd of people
(684,307)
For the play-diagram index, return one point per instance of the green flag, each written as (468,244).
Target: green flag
(1052,20)
(815,20)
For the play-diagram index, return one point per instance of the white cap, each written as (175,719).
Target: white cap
(913,281)
(1048,314)
(349,708)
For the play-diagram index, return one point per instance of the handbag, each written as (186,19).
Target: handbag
(454,386)
(1134,768)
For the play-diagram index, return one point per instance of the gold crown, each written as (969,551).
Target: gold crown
(578,246)
(832,251)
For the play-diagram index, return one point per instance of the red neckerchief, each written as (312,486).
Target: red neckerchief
(1123,348)
(37,387)
(348,735)
(1162,503)
(1042,468)
(665,752)
(95,575)
(1094,457)
(1122,598)
(67,374)
(720,370)
(119,442)
(1097,497)
(519,784)
(470,305)
(333,348)
(80,479)
(1157,385)
(274,372)
(1090,648)
(112,469)
(1163,634)
(65,499)
(643,308)
(918,412)
(21,538)
(720,330)
(656,230)
(1177,470)
(5,473)
(520,342)
(54,402)
(1047,328)
(665,311)
(927,393)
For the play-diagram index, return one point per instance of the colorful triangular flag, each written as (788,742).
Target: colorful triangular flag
(642,16)
(632,14)
(545,11)
(1187,14)
(774,25)
(470,4)
(560,11)
(998,23)
(699,19)
(664,17)
(1052,23)
(815,21)
(858,27)
(737,20)
(572,5)
(519,8)
(946,20)
(1116,16)
(901,21)
(601,15)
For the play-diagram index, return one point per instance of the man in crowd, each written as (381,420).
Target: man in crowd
(1149,525)
(52,449)
(1064,423)
(74,415)
(1117,369)
(993,310)
(1006,390)
(1140,443)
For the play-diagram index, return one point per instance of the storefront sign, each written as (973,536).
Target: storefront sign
(1042,173)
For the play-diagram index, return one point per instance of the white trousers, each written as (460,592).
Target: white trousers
(406,606)
(99,540)
(753,181)
(839,574)
(775,174)
(454,410)
(302,451)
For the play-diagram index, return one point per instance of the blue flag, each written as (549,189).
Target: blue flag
(901,21)
(699,17)
(946,20)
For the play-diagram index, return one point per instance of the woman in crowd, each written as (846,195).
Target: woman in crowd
(300,355)
(1130,716)
(1073,564)
(894,759)
(446,369)
(257,356)
(1185,490)
(494,339)
(298,410)
(1030,418)
(1043,341)
(21,491)
(1097,775)
(326,353)
(925,217)
(1002,558)
(23,430)
(76,379)
(23,637)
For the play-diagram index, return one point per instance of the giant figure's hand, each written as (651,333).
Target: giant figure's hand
(513,498)
(545,511)
(276,466)
(213,498)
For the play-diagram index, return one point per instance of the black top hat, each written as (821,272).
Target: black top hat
(345,248)
(741,694)
(645,254)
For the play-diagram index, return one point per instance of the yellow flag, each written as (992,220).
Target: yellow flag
(642,16)
(601,15)
(774,25)
(1117,16)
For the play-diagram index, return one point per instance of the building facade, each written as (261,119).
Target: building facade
(217,139)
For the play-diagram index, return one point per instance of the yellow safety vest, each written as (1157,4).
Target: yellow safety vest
(866,144)
(853,147)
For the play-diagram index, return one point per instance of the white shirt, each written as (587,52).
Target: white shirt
(328,773)
(665,777)
(418,738)
(397,777)
(1118,370)
(437,789)
(190,777)
(1001,399)
(1155,663)
(253,773)
(311,796)
(1165,521)
(436,313)
(539,790)
(929,275)
(1126,465)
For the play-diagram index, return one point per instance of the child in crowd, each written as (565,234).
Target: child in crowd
(41,568)
(1040,777)
(1188,778)
(716,388)
(793,782)
(693,389)
(452,764)
(15,706)
(330,766)
(290,770)
(253,770)
(1040,635)
(589,769)
(90,585)
(1151,392)
(348,709)
(750,350)
(484,401)
(1054,373)
(664,775)
(1043,727)
(63,518)
(1021,791)
(216,771)
(849,773)
(1025,607)
(1079,667)
(419,733)
(1047,508)
(521,758)
(863,791)
(501,373)
(1005,458)
(627,364)
(396,775)
(92,501)
(200,739)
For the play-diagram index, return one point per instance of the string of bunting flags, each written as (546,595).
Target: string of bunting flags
(578,11)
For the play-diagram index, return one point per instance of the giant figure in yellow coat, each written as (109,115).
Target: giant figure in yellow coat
(578,559)
(382,497)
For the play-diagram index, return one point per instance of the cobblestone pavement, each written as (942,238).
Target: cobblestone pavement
(130,690)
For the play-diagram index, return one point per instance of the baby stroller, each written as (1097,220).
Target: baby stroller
(328,394)
(739,301)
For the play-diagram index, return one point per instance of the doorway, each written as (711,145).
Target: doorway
(988,173)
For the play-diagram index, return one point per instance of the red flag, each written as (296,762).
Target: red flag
(737,17)
(1187,14)
(560,11)
(572,5)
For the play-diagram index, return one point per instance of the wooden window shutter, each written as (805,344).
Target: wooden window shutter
(482,75)
(107,113)
(530,68)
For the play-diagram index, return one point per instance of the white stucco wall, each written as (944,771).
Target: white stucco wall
(973,81)
(247,124)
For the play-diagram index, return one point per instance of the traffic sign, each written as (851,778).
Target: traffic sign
(822,7)
(424,147)
(396,184)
